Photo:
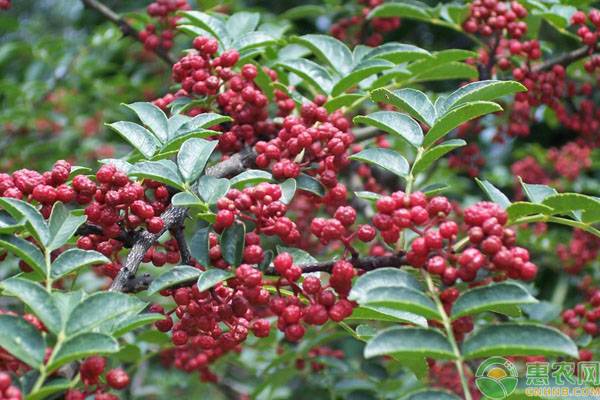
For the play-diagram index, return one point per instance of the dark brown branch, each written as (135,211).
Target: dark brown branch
(126,27)
(184,250)
(137,284)
(565,59)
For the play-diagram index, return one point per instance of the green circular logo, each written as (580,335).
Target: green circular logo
(497,378)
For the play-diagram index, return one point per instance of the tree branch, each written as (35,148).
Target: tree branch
(137,284)
(126,28)
(565,59)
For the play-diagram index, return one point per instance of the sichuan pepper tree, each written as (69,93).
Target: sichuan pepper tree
(286,199)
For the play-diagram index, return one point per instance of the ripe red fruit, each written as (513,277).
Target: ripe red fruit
(366,233)
(155,224)
(117,378)
(283,262)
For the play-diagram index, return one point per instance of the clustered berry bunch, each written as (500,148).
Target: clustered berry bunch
(316,137)
(211,323)
(582,249)
(588,37)
(118,206)
(357,29)
(204,74)
(8,391)
(444,375)
(91,371)
(489,16)
(262,206)
(161,33)
(491,245)
(4,4)
(46,188)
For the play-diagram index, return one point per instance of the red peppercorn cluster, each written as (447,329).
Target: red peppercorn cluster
(163,253)
(118,206)
(4,4)
(91,371)
(46,188)
(314,354)
(205,74)
(262,206)
(588,37)
(489,16)
(571,159)
(492,246)
(582,249)
(584,317)
(468,159)
(357,29)
(323,303)
(314,137)
(8,391)
(162,32)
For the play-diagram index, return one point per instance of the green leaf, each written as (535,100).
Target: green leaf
(139,137)
(434,153)
(35,221)
(242,22)
(26,251)
(196,124)
(406,10)
(37,299)
(522,208)
(395,123)
(366,195)
(164,171)
(199,246)
(62,225)
(434,188)
(288,189)
(211,277)
(252,40)
(493,193)
(8,224)
(311,72)
(310,184)
(81,346)
(174,276)
(210,24)
(304,11)
(410,341)
(382,277)
(482,91)
(251,176)
(398,53)
(212,189)
(431,394)
(99,309)
(489,298)
(518,339)
(186,199)
(446,71)
(456,117)
(330,50)
(153,117)
(413,101)
(360,72)
(193,156)
(67,301)
(232,243)
(137,321)
(388,314)
(403,299)
(50,387)
(387,159)
(299,256)
(565,202)
(22,340)
(537,193)
(73,259)
(343,100)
